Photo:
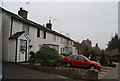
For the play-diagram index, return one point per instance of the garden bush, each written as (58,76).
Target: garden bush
(32,57)
(62,58)
(49,56)
(39,61)
(103,60)
(112,65)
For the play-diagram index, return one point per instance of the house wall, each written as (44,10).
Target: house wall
(17,26)
(50,39)
(0,43)
(6,23)
(12,50)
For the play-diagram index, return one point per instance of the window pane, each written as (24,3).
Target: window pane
(22,45)
(41,34)
(44,34)
(74,57)
(38,32)
(26,28)
(80,58)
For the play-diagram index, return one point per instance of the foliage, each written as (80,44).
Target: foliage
(112,65)
(62,57)
(51,63)
(32,54)
(103,60)
(49,56)
(47,53)
(69,53)
(32,57)
(38,61)
(93,55)
(114,43)
(86,52)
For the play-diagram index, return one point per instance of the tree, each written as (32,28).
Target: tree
(103,60)
(86,52)
(114,43)
(93,55)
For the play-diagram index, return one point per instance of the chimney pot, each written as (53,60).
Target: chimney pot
(49,25)
(21,8)
(22,13)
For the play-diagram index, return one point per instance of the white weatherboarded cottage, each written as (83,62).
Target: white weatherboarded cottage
(20,36)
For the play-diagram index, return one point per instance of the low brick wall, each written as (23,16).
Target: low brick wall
(73,73)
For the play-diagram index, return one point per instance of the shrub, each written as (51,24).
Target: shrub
(52,63)
(103,60)
(32,54)
(62,58)
(32,57)
(39,61)
(112,65)
(49,55)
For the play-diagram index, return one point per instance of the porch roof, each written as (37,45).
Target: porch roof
(16,35)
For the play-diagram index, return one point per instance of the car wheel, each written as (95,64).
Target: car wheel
(92,67)
(68,64)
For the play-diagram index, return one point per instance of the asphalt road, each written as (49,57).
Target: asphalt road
(114,73)
(14,71)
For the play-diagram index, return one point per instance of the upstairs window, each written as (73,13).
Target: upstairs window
(54,37)
(41,34)
(38,32)
(26,28)
(44,35)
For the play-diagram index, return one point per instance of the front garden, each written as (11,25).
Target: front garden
(48,60)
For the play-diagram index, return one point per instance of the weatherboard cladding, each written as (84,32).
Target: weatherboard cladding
(14,16)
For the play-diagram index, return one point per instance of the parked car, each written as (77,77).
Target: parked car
(81,61)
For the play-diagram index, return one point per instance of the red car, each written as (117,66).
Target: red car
(81,61)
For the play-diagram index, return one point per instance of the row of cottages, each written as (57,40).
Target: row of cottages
(21,35)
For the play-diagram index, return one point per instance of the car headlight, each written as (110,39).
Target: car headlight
(99,64)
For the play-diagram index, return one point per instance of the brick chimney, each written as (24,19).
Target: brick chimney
(49,25)
(23,13)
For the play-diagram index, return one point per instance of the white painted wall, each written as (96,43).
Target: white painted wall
(6,20)
(0,43)
(36,41)
(17,26)
(12,50)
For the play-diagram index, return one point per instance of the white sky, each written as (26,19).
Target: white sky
(97,21)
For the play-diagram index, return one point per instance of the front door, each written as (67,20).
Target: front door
(23,50)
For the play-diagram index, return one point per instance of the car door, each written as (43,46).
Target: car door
(73,60)
(81,61)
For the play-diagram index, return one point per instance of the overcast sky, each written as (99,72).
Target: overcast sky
(97,21)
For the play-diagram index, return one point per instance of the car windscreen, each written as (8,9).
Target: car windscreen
(86,58)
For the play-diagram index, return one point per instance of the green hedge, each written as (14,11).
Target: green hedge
(52,63)
(112,65)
